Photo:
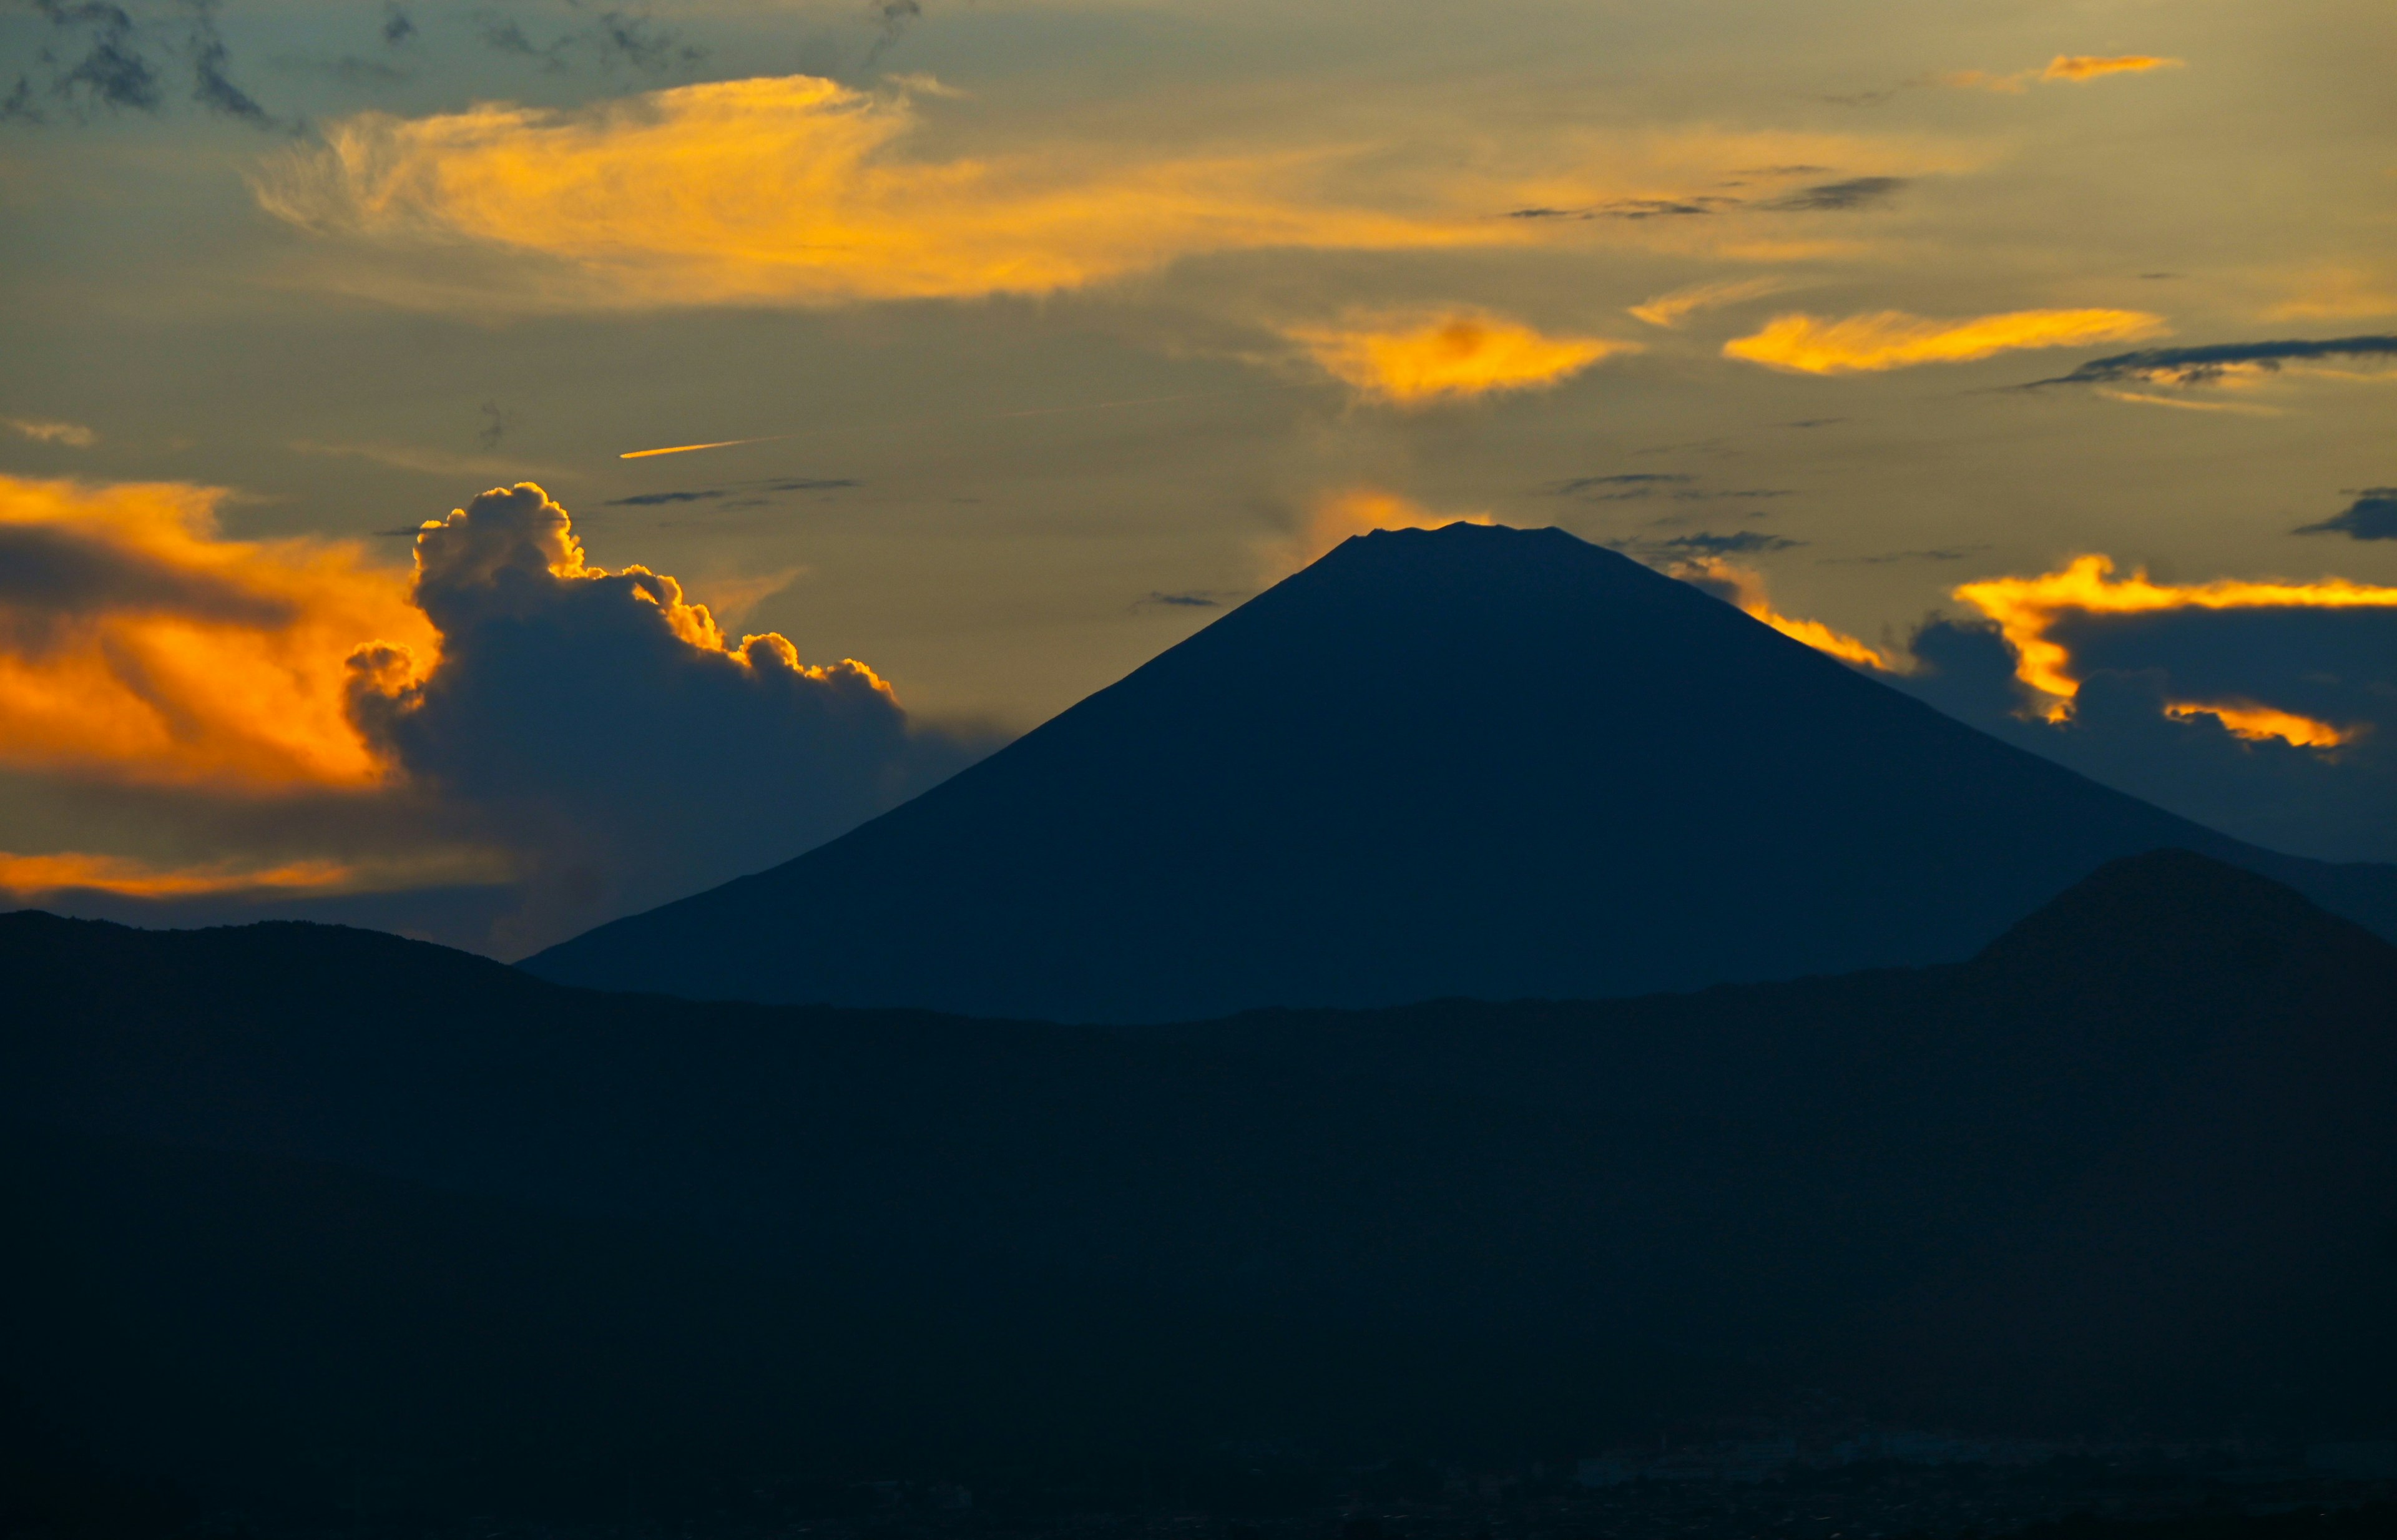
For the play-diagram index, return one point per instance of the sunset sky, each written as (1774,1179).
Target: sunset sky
(2041,357)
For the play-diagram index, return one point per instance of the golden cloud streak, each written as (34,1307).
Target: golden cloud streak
(130,878)
(155,651)
(1415,360)
(2246,719)
(1671,309)
(1890,339)
(2078,67)
(794,190)
(2026,610)
(1746,586)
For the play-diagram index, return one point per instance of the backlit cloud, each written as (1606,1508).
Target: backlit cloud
(125,876)
(1744,586)
(609,731)
(2030,613)
(797,190)
(1892,338)
(1335,516)
(1674,306)
(138,645)
(1414,360)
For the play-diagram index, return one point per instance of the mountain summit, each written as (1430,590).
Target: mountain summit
(1471,761)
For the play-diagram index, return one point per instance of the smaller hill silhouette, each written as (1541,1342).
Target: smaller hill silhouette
(2128,1167)
(1474,760)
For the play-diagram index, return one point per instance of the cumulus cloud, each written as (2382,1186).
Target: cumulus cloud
(1890,339)
(1415,359)
(607,731)
(2172,706)
(1335,516)
(2033,613)
(2373,516)
(136,644)
(511,715)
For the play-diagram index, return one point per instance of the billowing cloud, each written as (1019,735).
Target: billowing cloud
(1669,309)
(2373,516)
(138,645)
(44,431)
(605,729)
(1416,359)
(796,190)
(1744,586)
(1890,339)
(2171,707)
(1335,516)
(2033,614)
(2227,363)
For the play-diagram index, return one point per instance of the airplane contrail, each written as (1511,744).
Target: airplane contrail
(989,417)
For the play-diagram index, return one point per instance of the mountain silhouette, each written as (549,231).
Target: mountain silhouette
(1471,761)
(2129,1166)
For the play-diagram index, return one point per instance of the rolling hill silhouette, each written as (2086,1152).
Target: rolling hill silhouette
(294,1198)
(1472,761)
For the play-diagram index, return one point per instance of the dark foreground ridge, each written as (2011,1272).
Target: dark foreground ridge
(325,1211)
(1470,761)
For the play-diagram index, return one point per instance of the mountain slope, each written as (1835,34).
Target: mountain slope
(1471,761)
(2128,1166)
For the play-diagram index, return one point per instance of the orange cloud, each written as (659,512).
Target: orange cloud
(1671,309)
(796,190)
(1890,339)
(2246,719)
(1353,511)
(137,645)
(2027,610)
(2077,67)
(2073,68)
(1413,361)
(130,878)
(1744,587)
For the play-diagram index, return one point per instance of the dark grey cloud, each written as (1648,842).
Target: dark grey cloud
(2199,366)
(573,721)
(2337,666)
(892,20)
(1881,559)
(2373,516)
(1654,208)
(1626,485)
(1708,544)
(1854,193)
(712,494)
(103,56)
(54,579)
(496,423)
(398,26)
(1197,599)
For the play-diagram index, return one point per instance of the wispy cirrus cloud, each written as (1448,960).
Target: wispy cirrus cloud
(2226,363)
(75,435)
(2073,69)
(1415,358)
(1674,306)
(1892,338)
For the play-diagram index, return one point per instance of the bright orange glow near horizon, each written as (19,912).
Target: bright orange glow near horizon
(1800,343)
(1415,360)
(165,653)
(2026,610)
(129,879)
